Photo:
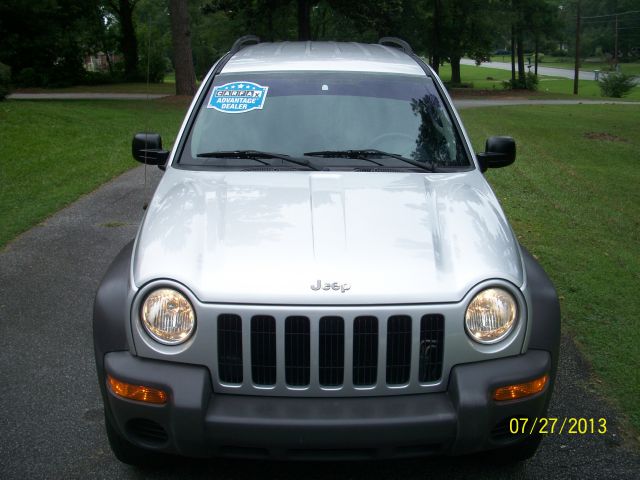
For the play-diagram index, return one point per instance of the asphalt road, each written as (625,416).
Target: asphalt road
(85,96)
(550,71)
(51,420)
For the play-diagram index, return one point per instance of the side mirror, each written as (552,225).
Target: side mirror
(498,152)
(147,148)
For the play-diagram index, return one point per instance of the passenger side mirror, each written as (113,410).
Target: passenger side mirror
(498,152)
(147,148)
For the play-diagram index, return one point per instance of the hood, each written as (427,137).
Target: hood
(325,237)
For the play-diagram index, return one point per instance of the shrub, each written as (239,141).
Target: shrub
(616,84)
(5,81)
(451,85)
(28,77)
(99,78)
(157,66)
(530,82)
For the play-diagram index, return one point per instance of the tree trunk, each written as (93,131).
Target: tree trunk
(535,70)
(455,70)
(128,40)
(521,72)
(181,40)
(304,20)
(513,58)
(437,13)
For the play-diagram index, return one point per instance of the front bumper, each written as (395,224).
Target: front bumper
(197,422)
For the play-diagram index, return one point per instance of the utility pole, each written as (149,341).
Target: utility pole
(615,47)
(576,72)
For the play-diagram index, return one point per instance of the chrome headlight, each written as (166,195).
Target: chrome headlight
(491,315)
(168,316)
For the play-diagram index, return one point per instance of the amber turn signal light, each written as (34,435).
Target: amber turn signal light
(521,390)
(136,392)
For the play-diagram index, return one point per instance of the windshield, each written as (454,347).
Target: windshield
(325,114)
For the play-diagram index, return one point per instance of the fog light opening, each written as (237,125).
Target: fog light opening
(139,393)
(520,390)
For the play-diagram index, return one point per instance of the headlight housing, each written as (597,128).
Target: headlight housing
(491,315)
(168,317)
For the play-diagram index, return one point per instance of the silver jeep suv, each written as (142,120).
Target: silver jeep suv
(323,272)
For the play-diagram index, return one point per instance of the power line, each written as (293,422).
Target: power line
(611,14)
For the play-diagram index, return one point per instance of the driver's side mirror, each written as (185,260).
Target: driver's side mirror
(498,152)
(147,148)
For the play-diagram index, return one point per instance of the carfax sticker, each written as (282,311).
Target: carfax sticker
(238,97)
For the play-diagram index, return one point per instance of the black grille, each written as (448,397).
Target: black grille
(230,348)
(331,351)
(431,347)
(379,352)
(365,350)
(263,350)
(398,349)
(296,351)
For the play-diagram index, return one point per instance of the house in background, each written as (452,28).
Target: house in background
(101,62)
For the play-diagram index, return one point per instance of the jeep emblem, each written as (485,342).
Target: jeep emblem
(341,287)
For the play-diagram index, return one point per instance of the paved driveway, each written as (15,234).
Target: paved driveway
(50,407)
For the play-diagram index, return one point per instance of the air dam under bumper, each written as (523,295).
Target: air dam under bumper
(197,422)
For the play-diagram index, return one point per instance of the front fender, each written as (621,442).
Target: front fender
(111,310)
(545,309)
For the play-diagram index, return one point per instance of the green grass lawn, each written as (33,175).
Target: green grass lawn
(51,152)
(573,199)
(153,88)
(485,78)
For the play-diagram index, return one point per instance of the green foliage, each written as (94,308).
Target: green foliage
(530,82)
(154,39)
(28,77)
(5,81)
(616,85)
(44,40)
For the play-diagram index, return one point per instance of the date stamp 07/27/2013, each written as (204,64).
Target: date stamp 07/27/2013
(556,425)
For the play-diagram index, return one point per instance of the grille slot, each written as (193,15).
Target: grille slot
(263,350)
(331,351)
(398,349)
(147,431)
(365,350)
(431,347)
(230,348)
(297,338)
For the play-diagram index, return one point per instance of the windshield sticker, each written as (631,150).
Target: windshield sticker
(238,97)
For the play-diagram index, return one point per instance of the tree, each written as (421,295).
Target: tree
(123,10)
(469,30)
(43,41)
(304,19)
(181,40)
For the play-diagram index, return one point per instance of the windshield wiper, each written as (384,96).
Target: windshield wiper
(366,154)
(257,155)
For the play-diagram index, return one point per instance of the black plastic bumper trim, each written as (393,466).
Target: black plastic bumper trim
(201,423)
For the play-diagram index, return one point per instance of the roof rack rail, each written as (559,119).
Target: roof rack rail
(242,42)
(397,43)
